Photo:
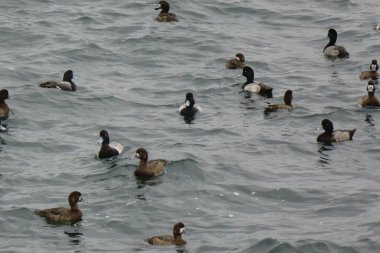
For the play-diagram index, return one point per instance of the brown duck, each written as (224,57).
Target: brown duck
(237,62)
(371,73)
(174,239)
(370,99)
(288,96)
(165,15)
(4,109)
(62,214)
(149,169)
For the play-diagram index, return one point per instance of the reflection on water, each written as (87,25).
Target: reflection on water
(74,236)
(369,120)
(324,157)
(181,249)
(142,183)
(188,119)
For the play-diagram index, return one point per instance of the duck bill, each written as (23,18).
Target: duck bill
(137,155)
(158,7)
(100,141)
(183,231)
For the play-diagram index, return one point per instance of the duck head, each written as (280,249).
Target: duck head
(328,126)
(104,137)
(164,6)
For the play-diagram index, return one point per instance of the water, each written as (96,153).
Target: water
(240,181)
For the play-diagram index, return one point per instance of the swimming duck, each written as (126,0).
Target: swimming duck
(288,96)
(370,99)
(371,73)
(334,136)
(174,239)
(332,50)
(66,84)
(108,150)
(149,169)
(4,109)
(164,15)
(189,108)
(261,88)
(237,62)
(62,214)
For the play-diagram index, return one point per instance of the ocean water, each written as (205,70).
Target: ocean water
(241,181)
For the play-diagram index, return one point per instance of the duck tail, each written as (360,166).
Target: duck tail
(352,132)
(39,213)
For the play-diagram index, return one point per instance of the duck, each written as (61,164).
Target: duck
(108,149)
(62,214)
(370,99)
(260,88)
(333,51)
(4,109)
(66,84)
(288,96)
(189,108)
(334,136)
(371,73)
(148,169)
(237,62)
(165,15)
(175,239)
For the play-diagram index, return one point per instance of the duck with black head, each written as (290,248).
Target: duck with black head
(175,239)
(4,109)
(333,51)
(237,62)
(108,149)
(260,88)
(66,84)
(371,73)
(189,108)
(331,135)
(288,97)
(165,15)
(62,214)
(149,169)
(370,99)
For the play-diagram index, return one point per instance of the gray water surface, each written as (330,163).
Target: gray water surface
(241,181)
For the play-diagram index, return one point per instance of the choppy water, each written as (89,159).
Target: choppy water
(240,181)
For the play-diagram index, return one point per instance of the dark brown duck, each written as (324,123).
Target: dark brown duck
(4,109)
(62,214)
(165,15)
(288,97)
(175,239)
(237,62)
(148,169)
